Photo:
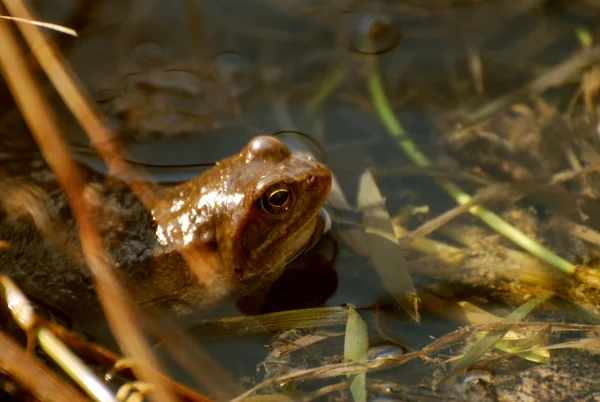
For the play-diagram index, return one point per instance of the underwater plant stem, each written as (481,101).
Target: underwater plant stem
(395,129)
(331,82)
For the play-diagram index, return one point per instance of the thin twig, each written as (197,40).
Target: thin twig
(554,77)
(340,369)
(395,129)
(42,383)
(81,105)
(115,302)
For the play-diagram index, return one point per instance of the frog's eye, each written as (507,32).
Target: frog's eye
(277,198)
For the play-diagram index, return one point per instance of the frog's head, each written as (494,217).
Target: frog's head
(275,216)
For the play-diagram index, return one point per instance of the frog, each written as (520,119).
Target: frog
(248,216)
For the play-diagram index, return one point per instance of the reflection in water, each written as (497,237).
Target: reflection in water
(169,102)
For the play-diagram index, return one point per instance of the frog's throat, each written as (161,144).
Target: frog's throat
(316,235)
(312,241)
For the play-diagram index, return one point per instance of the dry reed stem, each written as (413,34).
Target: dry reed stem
(115,302)
(348,368)
(83,108)
(42,383)
(85,111)
(107,358)
(22,312)
(551,78)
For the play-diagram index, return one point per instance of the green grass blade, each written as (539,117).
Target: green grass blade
(356,342)
(293,319)
(329,85)
(487,342)
(358,388)
(395,129)
(356,346)
(577,310)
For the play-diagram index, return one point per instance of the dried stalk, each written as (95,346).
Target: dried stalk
(115,302)
(86,113)
(103,140)
(42,383)
(341,369)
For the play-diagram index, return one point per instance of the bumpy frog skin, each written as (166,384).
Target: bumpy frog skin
(247,217)
(254,211)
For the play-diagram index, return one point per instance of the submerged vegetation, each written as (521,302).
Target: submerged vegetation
(487,104)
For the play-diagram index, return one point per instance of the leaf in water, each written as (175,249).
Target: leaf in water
(356,347)
(469,314)
(487,342)
(576,309)
(386,254)
(281,321)
(278,351)
(352,236)
(358,388)
(356,343)
(515,343)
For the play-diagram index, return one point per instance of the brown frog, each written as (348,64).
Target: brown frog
(248,216)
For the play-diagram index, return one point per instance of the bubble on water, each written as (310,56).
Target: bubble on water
(386,387)
(234,72)
(475,376)
(383,351)
(370,34)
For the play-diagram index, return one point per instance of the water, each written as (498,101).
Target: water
(189,82)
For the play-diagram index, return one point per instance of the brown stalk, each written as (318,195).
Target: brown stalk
(553,77)
(347,368)
(23,314)
(106,358)
(42,383)
(85,111)
(115,302)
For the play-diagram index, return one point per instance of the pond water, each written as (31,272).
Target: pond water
(190,82)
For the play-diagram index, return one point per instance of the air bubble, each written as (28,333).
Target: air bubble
(383,351)
(370,34)
(476,376)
